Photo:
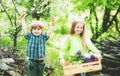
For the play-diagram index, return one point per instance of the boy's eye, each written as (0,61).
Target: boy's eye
(78,27)
(38,28)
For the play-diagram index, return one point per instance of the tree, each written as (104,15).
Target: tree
(100,13)
(35,8)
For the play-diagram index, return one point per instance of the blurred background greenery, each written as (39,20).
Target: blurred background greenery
(102,18)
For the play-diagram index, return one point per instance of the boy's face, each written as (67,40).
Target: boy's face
(79,28)
(36,31)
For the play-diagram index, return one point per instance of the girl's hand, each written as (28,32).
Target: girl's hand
(22,16)
(53,20)
(99,56)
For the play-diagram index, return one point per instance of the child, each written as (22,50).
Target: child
(36,45)
(77,42)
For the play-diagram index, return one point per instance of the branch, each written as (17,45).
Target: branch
(96,18)
(15,12)
(18,29)
(117,28)
(15,7)
(106,19)
(114,17)
(7,14)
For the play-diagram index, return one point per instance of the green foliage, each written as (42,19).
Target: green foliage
(88,4)
(90,10)
(64,29)
(62,26)
(108,35)
(52,55)
(22,41)
(5,41)
(21,52)
(37,8)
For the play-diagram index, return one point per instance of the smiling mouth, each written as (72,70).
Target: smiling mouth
(78,31)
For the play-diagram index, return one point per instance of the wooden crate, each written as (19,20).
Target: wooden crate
(81,68)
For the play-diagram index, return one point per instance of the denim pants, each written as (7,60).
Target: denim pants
(36,68)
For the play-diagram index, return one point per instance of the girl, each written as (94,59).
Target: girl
(78,42)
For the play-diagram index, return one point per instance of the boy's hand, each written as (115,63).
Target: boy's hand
(53,20)
(22,16)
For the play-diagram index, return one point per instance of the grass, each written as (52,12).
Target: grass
(52,54)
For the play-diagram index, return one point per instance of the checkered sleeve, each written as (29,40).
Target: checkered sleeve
(46,37)
(28,36)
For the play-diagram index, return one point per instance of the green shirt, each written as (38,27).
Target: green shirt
(74,44)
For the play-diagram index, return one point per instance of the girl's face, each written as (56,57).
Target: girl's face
(36,31)
(79,28)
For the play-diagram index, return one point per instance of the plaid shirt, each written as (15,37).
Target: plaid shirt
(36,46)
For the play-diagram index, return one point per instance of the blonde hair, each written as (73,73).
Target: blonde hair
(36,24)
(83,34)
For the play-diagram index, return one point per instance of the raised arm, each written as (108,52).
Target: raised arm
(51,27)
(22,18)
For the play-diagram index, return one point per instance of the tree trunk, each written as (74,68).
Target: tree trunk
(106,19)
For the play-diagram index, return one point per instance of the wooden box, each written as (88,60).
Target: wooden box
(70,69)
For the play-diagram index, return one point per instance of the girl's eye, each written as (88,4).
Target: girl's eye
(81,27)
(34,28)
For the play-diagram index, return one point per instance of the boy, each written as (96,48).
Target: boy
(36,45)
